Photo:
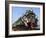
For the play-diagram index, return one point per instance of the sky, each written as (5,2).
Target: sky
(17,12)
